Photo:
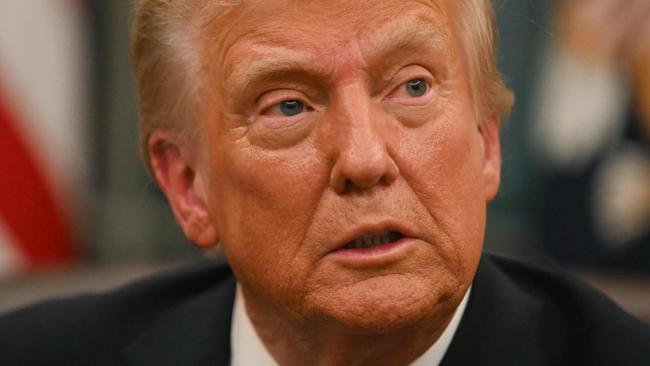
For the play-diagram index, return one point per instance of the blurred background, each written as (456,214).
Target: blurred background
(79,213)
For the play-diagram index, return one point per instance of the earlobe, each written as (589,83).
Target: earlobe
(173,165)
(489,130)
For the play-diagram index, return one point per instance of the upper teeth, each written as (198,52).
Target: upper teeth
(369,241)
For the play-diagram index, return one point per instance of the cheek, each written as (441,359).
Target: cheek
(442,163)
(263,202)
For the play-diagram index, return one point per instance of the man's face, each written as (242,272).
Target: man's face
(330,121)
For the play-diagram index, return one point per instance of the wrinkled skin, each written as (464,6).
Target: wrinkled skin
(278,191)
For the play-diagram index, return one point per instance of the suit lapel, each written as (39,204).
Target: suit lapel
(498,325)
(194,333)
(497,328)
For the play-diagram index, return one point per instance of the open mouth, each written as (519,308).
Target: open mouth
(375,240)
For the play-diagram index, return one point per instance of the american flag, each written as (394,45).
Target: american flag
(44,145)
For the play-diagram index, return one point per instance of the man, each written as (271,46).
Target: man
(342,153)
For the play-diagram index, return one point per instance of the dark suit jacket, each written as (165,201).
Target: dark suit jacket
(517,315)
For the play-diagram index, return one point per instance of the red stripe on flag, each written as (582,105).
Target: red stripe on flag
(28,207)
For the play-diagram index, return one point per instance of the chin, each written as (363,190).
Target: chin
(386,304)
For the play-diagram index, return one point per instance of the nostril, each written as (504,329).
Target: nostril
(361,167)
(361,183)
(349,186)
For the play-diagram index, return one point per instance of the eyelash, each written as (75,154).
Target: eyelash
(402,85)
(276,102)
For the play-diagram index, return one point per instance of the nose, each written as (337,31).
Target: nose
(363,159)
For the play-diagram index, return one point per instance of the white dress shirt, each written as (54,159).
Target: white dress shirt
(248,349)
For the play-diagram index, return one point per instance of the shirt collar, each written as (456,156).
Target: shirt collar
(248,349)
(435,353)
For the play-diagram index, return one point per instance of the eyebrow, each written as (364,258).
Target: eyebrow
(284,63)
(422,35)
(403,34)
(273,63)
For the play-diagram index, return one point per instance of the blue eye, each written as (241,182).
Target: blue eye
(291,108)
(416,87)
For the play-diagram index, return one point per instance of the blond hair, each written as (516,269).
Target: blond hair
(477,25)
(165,43)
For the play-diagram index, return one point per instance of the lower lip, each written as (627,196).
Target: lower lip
(374,255)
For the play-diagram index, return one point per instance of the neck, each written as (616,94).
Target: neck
(295,343)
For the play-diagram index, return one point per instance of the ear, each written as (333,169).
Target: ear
(173,164)
(489,130)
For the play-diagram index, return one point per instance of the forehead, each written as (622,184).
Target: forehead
(322,33)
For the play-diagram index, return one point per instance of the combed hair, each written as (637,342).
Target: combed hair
(477,25)
(165,45)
